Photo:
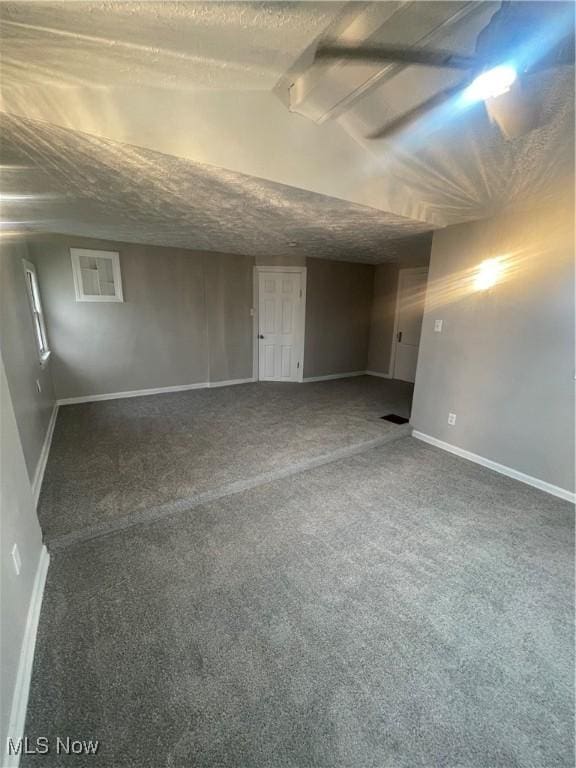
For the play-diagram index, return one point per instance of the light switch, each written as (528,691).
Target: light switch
(451,419)
(437,326)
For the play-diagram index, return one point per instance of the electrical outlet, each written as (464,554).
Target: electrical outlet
(16,559)
(437,326)
(38,385)
(451,419)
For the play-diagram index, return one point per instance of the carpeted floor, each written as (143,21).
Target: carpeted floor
(117,462)
(398,608)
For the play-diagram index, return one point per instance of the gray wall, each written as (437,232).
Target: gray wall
(338,307)
(229,288)
(20,526)
(20,353)
(415,253)
(504,362)
(185,319)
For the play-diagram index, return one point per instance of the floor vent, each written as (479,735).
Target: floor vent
(395,419)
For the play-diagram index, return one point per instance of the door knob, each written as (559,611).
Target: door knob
(260,336)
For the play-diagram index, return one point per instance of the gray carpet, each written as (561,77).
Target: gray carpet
(117,462)
(396,609)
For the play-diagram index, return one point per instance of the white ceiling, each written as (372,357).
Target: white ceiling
(71,183)
(204,91)
(228,45)
(326,90)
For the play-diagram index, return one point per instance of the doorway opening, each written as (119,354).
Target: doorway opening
(279,321)
(408,322)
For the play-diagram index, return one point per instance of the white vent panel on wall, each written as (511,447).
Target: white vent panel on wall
(96,275)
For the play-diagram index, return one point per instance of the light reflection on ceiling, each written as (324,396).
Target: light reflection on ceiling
(245,45)
(173,124)
(78,184)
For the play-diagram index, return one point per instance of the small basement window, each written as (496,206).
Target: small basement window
(96,275)
(37,313)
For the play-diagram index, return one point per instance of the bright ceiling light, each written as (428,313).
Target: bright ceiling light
(494,82)
(488,274)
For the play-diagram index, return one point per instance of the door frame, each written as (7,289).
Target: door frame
(401,273)
(301,317)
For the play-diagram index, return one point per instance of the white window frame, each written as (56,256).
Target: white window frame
(114,257)
(39,326)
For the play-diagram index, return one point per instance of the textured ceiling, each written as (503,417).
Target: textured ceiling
(459,167)
(73,183)
(172,44)
(177,65)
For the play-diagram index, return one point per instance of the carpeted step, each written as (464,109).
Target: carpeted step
(140,516)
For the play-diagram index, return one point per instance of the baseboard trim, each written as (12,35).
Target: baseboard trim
(155,391)
(331,376)
(231,382)
(554,490)
(24,674)
(203,385)
(380,375)
(43,459)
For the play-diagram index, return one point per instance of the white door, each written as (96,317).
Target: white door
(279,297)
(409,312)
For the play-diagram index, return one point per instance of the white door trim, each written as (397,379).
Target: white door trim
(401,273)
(301,316)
